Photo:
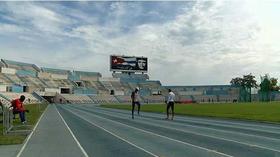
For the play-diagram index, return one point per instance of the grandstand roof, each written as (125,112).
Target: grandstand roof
(2,64)
(20,65)
(16,63)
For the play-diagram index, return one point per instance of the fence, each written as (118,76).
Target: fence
(7,119)
(8,123)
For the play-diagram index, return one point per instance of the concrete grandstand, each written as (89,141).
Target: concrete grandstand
(66,86)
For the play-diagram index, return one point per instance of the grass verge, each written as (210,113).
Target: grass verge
(257,111)
(31,117)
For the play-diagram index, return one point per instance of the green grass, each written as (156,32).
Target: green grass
(257,111)
(31,117)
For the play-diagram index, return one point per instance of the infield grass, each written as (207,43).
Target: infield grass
(257,111)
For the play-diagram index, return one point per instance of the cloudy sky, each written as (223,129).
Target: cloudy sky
(187,43)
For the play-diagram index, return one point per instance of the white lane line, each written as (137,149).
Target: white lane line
(199,134)
(78,143)
(113,134)
(224,131)
(29,136)
(185,143)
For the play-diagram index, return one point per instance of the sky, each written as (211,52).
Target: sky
(187,43)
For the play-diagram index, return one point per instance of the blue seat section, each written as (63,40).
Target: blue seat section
(26,73)
(74,77)
(145,92)
(17,89)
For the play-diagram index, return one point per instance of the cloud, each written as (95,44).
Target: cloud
(10,28)
(203,42)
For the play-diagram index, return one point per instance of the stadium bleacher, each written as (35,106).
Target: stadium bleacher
(49,82)
(14,78)
(154,99)
(23,69)
(85,87)
(33,81)
(77,99)
(123,98)
(5,80)
(55,71)
(29,98)
(104,99)
(100,87)
(117,85)
(107,85)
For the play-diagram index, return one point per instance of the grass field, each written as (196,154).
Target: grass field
(31,117)
(258,111)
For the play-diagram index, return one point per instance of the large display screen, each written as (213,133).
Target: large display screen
(127,63)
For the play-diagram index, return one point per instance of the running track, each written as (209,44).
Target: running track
(102,132)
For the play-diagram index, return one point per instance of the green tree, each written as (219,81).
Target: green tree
(274,86)
(267,87)
(246,84)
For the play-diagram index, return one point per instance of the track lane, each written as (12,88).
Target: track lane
(249,140)
(252,128)
(96,141)
(158,144)
(247,150)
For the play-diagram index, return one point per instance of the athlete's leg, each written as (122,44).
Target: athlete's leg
(167,110)
(22,116)
(172,108)
(132,111)
(139,105)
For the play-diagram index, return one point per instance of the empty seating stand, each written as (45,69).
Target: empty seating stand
(29,98)
(104,99)
(77,99)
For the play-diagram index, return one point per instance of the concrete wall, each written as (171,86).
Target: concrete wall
(8,70)
(89,78)
(44,75)
(3,88)
(52,90)
(59,76)
(119,92)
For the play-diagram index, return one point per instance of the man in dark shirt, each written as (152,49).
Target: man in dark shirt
(135,98)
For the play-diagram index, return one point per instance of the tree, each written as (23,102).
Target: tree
(237,81)
(246,84)
(273,82)
(267,87)
(249,81)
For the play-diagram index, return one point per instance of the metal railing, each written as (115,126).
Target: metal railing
(7,119)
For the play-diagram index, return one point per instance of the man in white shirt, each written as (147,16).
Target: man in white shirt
(170,103)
